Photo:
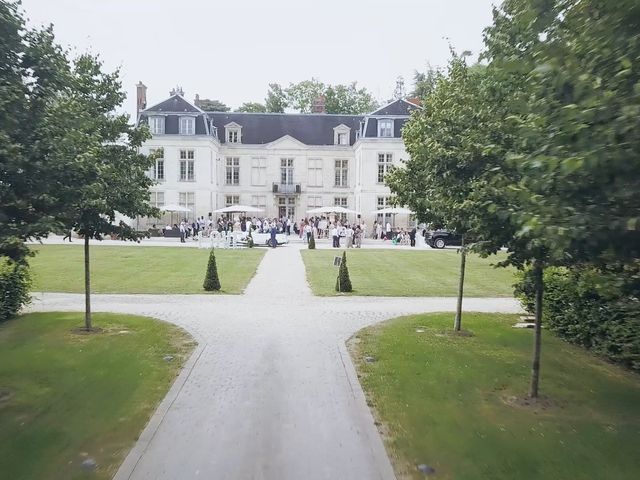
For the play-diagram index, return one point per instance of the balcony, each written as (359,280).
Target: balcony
(287,188)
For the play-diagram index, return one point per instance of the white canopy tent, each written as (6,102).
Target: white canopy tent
(394,211)
(239,209)
(334,209)
(174,208)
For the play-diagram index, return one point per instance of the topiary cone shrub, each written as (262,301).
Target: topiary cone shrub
(211,280)
(343,282)
(312,242)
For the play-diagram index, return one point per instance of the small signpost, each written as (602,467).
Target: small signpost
(337,261)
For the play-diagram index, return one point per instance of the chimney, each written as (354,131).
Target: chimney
(318,105)
(196,102)
(141,96)
(176,91)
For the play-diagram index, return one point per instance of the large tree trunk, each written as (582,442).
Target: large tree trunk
(539,289)
(463,261)
(87,285)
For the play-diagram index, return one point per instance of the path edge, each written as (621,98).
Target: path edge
(130,462)
(376,444)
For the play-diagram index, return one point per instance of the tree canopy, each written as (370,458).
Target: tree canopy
(211,105)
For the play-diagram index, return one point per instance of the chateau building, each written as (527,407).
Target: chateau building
(282,163)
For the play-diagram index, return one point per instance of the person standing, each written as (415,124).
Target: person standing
(182,231)
(379,231)
(388,231)
(412,236)
(274,232)
(336,236)
(348,234)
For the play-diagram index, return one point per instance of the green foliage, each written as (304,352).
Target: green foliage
(348,99)
(424,82)
(598,310)
(211,105)
(252,107)
(343,282)
(211,280)
(312,242)
(276,100)
(14,287)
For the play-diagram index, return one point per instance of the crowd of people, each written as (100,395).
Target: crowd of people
(339,230)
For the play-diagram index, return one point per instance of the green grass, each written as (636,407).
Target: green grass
(130,269)
(73,395)
(408,273)
(448,401)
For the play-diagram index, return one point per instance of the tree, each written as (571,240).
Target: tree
(424,82)
(449,158)
(252,107)
(101,171)
(211,105)
(276,100)
(211,280)
(343,282)
(302,95)
(33,74)
(348,99)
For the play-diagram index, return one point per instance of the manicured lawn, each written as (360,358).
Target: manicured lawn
(69,396)
(130,269)
(448,402)
(408,273)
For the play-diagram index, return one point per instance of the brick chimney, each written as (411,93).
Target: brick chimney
(141,96)
(318,105)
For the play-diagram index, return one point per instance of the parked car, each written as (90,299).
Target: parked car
(442,238)
(264,239)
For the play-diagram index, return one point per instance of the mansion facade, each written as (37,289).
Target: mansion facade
(284,164)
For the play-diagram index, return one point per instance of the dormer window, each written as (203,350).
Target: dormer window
(156,125)
(341,135)
(385,128)
(233,133)
(187,126)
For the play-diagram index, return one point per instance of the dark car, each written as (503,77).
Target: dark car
(442,238)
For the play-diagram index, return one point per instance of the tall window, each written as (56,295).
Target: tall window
(385,128)
(187,126)
(233,171)
(314,202)
(385,164)
(156,199)
(156,125)
(343,139)
(231,200)
(342,170)
(158,167)
(187,166)
(188,200)
(383,202)
(341,202)
(258,171)
(315,172)
(259,201)
(233,135)
(286,171)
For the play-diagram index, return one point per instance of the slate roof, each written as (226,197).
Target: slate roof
(262,128)
(310,129)
(174,104)
(398,107)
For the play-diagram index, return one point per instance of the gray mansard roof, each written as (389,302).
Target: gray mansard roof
(310,129)
(261,128)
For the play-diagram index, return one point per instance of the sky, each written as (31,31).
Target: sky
(231,50)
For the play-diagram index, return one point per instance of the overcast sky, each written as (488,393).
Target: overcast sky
(231,50)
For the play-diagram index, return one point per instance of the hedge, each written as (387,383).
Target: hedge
(14,288)
(596,309)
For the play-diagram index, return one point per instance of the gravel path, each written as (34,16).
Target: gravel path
(270,392)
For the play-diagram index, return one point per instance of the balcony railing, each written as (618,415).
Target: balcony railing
(287,188)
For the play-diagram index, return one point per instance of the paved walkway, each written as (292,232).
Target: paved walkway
(270,393)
